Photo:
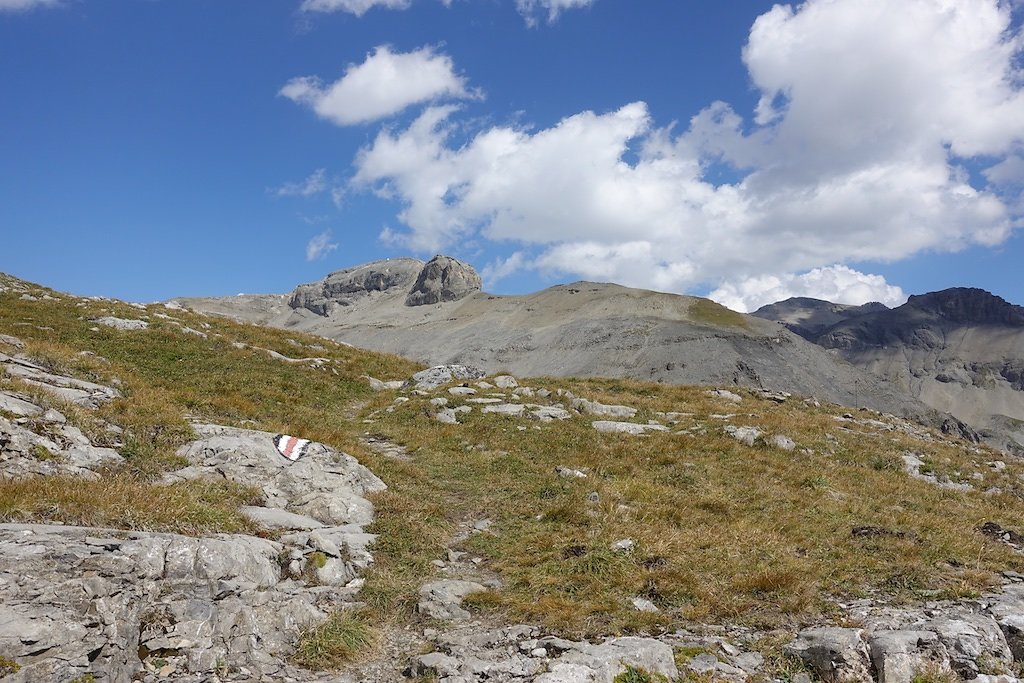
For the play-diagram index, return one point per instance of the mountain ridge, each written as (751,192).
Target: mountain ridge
(579,329)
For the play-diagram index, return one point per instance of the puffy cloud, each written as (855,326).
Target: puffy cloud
(1009,171)
(383,85)
(530,8)
(838,284)
(313,185)
(356,7)
(869,110)
(25,5)
(501,268)
(320,246)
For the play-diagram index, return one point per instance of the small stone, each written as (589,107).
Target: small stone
(570,473)
(725,395)
(745,435)
(783,442)
(624,545)
(644,605)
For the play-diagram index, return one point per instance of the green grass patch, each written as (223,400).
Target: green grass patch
(346,636)
(708,312)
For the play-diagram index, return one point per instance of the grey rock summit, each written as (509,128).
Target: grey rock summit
(443,279)
(349,286)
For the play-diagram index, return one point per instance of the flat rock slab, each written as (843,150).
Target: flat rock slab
(10,403)
(548,413)
(275,518)
(602,663)
(506,409)
(594,408)
(122,323)
(443,599)
(11,341)
(82,600)
(626,427)
(77,391)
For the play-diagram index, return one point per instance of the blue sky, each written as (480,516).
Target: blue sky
(846,149)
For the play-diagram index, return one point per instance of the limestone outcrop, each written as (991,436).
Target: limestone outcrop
(443,278)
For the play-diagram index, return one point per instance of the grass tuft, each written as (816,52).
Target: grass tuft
(346,636)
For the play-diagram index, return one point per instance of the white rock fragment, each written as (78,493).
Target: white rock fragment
(570,473)
(626,427)
(122,323)
(745,435)
(783,442)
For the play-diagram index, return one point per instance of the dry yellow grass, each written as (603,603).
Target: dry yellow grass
(723,531)
(122,501)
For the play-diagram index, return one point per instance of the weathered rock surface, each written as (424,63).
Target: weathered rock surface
(78,391)
(521,653)
(443,278)
(224,607)
(325,484)
(79,600)
(63,450)
(350,286)
(834,654)
(443,599)
(437,376)
(613,427)
(122,323)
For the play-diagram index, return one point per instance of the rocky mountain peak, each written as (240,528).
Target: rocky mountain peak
(443,279)
(969,305)
(809,317)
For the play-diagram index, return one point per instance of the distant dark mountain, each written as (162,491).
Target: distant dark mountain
(960,351)
(809,318)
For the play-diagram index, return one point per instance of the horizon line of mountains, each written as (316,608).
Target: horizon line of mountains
(957,352)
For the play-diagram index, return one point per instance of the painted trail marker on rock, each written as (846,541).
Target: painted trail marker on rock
(291,447)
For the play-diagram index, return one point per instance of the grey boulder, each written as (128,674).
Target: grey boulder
(834,654)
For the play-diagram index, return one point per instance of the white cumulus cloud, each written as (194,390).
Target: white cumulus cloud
(24,5)
(530,8)
(320,246)
(383,85)
(312,185)
(836,283)
(356,7)
(869,111)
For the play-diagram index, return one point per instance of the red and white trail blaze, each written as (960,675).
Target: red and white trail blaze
(291,447)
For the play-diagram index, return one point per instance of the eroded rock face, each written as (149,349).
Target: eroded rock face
(77,391)
(345,287)
(78,600)
(443,279)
